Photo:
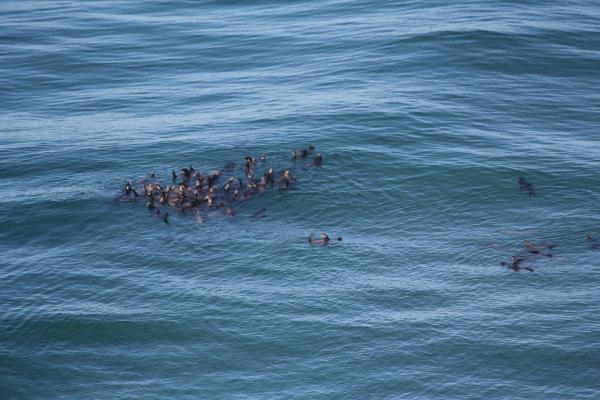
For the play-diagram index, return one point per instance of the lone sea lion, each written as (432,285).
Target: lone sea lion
(594,243)
(258,215)
(526,186)
(516,264)
(318,160)
(323,241)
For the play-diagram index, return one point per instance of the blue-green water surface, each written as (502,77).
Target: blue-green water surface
(426,112)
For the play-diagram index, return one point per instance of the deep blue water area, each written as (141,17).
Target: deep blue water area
(426,114)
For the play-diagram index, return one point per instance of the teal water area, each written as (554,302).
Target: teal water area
(426,114)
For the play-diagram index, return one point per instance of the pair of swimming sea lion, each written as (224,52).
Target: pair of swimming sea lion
(533,249)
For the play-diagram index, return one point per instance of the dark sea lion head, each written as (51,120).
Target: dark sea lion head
(318,159)
(311,148)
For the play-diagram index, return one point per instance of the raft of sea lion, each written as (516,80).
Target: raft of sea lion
(195,192)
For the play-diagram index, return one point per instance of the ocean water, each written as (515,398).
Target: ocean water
(426,113)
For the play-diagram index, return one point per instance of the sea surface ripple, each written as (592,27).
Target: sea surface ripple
(426,112)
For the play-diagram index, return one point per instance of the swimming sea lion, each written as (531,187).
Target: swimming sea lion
(318,160)
(258,215)
(269,176)
(516,264)
(594,243)
(535,248)
(323,241)
(130,190)
(230,212)
(526,186)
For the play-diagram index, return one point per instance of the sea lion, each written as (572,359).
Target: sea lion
(286,180)
(229,166)
(594,243)
(535,248)
(516,264)
(526,186)
(318,160)
(129,190)
(230,212)
(258,215)
(248,167)
(323,241)
(269,176)
(164,196)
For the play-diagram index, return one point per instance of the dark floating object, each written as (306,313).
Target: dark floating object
(526,186)
(196,193)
